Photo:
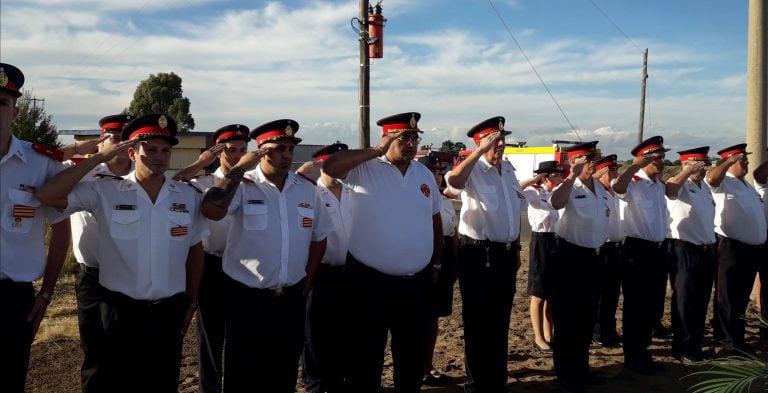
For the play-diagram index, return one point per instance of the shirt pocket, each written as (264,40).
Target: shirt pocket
(178,225)
(582,201)
(125,224)
(255,217)
(489,198)
(20,212)
(306,218)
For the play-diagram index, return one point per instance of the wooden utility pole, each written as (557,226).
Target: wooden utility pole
(756,84)
(642,97)
(365,78)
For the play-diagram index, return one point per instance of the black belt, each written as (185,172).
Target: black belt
(89,270)
(125,299)
(355,264)
(703,247)
(490,244)
(333,268)
(562,243)
(644,242)
(612,244)
(279,291)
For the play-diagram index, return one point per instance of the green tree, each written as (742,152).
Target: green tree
(452,147)
(33,124)
(162,93)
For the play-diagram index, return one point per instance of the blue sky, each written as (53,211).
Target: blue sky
(252,62)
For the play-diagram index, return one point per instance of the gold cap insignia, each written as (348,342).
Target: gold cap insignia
(162,121)
(413,120)
(3,78)
(289,130)
(501,124)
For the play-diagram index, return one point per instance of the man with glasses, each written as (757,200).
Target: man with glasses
(572,274)
(85,244)
(609,276)
(394,247)
(643,256)
(489,253)
(692,228)
(740,226)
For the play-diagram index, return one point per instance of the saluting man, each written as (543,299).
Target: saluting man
(275,243)
(231,145)
(740,226)
(85,247)
(149,251)
(692,228)
(395,243)
(326,335)
(644,277)
(489,253)
(573,271)
(23,168)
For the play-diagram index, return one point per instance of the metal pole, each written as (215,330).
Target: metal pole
(756,84)
(642,97)
(365,79)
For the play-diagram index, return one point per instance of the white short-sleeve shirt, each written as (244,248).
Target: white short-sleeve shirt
(615,231)
(268,241)
(22,225)
(739,213)
(143,246)
(491,203)
(448,216)
(215,242)
(644,208)
(338,210)
(692,214)
(541,215)
(584,219)
(392,216)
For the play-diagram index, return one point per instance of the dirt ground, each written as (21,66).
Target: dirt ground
(56,355)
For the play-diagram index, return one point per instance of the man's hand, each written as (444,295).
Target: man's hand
(37,313)
(386,141)
(210,155)
(91,145)
(310,167)
(643,161)
(110,152)
(489,142)
(692,167)
(578,166)
(249,160)
(734,158)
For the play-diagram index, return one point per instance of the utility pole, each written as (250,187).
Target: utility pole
(756,84)
(642,97)
(35,100)
(365,78)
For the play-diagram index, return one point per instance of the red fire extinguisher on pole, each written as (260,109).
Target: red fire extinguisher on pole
(376,32)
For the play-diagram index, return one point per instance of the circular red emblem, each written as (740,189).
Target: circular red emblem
(425,190)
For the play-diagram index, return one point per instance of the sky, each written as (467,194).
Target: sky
(453,61)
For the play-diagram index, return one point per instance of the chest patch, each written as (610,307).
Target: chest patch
(425,190)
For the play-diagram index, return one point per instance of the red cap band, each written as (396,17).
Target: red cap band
(10,85)
(649,149)
(395,127)
(693,156)
(605,164)
(115,125)
(576,153)
(269,135)
(729,153)
(480,134)
(150,130)
(322,157)
(230,134)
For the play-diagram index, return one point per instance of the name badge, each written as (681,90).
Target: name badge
(125,207)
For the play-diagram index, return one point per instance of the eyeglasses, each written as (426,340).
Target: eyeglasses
(408,139)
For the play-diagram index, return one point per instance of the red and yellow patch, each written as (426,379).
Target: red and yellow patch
(180,230)
(306,222)
(425,190)
(23,211)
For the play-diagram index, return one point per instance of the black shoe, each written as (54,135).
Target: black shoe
(593,379)
(645,367)
(538,348)
(660,331)
(564,386)
(692,356)
(434,378)
(609,342)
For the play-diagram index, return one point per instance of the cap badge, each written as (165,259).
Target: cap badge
(413,120)
(162,121)
(501,124)
(425,190)
(3,78)
(288,130)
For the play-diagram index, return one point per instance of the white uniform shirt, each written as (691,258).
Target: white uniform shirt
(448,216)
(739,213)
(692,214)
(762,189)
(268,242)
(491,203)
(338,210)
(541,216)
(215,242)
(22,225)
(392,216)
(644,209)
(143,246)
(85,228)
(584,219)
(615,231)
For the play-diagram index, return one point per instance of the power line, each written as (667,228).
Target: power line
(615,25)
(509,31)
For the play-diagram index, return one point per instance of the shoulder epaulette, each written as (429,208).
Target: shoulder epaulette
(106,176)
(303,176)
(187,182)
(246,180)
(202,175)
(77,160)
(50,152)
(636,178)
(537,186)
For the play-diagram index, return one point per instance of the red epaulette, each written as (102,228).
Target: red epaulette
(246,180)
(77,160)
(636,178)
(306,178)
(50,152)
(537,186)
(106,176)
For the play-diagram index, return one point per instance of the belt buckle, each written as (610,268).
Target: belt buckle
(279,291)
(508,246)
(597,251)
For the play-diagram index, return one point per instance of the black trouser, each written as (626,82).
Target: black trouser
(16,301)
(381,303)
(644,280)
(264,337)
(696,267)
(738,264)
(487,276)
(326,332)
(670,273)
(573,274)
(763,268)
(90,295)
(609,283)
(542,246)
(144,341)
(210,326)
